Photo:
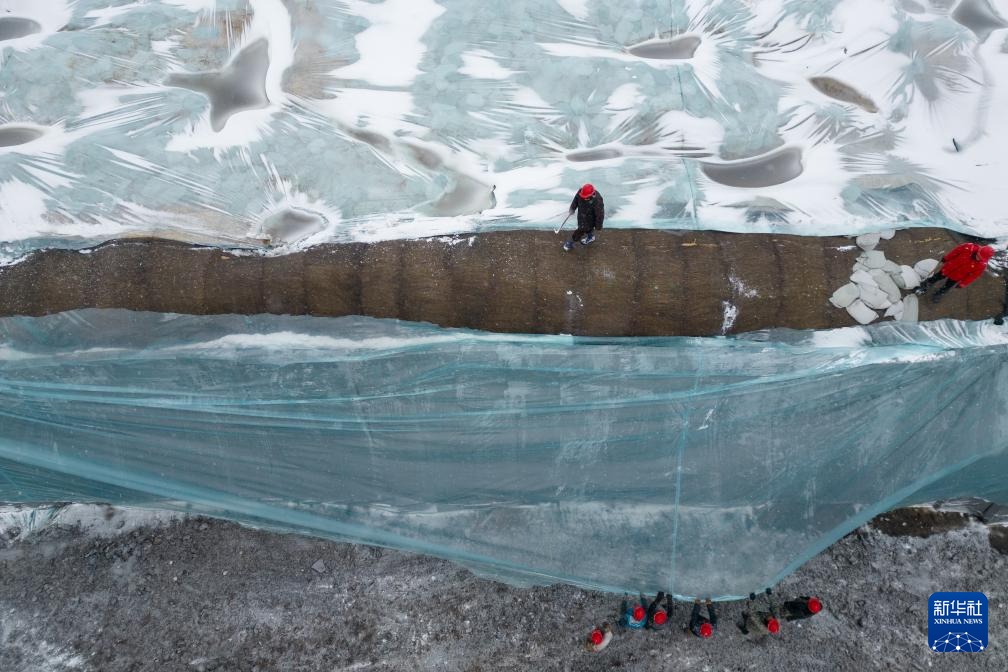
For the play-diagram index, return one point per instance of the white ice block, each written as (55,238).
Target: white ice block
(908,278)
(926,267)
(874,259)
(895,311)
(874,297)
(863,278)
(909,309)
(886,284)
(862,313)
(868,241)
(846,295)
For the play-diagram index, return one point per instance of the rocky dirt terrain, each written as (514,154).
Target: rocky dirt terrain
(198,594)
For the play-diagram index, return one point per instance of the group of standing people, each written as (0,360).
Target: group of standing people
(656,614)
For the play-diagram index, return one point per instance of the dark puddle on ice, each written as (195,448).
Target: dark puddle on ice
(12,136)
(427,158)
(677,48)
(978,16)
(465,197)
(376,140)
(13,27)
(239,87)
(600,154)
(843,92)
(777,167)
(292,224)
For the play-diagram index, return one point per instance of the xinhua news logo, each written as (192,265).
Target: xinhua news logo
(957,622)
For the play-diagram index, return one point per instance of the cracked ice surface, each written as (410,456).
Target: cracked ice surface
(701,466)
(212,121)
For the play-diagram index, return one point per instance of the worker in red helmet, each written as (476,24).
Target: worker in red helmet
(803,607)
(703,626)
(599,638)
(658,617)
(961,267)
(759,623)
(590,215)
(634,614)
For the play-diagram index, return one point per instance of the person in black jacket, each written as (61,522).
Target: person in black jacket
(590,215)
(759,623)
(702,626)
(658,618)
(803,607)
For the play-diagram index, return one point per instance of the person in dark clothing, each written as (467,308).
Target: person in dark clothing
(590,215)
(702,626)
(759,623)
(657,618)
(803,607)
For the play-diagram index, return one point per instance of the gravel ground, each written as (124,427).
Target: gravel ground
(199,594)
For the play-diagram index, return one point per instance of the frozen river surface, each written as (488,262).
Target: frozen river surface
(295,122)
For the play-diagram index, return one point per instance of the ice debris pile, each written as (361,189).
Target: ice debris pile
(877,284)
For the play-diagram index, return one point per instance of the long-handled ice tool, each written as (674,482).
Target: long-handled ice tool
(563,222)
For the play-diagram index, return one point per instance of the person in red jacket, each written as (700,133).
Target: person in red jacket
(962,266)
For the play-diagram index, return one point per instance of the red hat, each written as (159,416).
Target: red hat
(587,191)
(986,252)
(706,630)
(773,625)
(814,605)
(660,617)
(596,637)
(639,613)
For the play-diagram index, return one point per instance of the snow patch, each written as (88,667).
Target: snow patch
(391,47)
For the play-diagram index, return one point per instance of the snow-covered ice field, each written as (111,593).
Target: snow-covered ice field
(244,121)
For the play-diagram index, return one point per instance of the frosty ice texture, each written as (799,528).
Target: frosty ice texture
(203,120)
(697,466)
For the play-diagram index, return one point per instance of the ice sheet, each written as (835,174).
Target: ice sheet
(401,118)
(697,466)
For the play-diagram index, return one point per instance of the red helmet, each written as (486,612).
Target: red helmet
(985,253)
(639,613)
(814,605)
(773,625)
(596,637)
(706,630)
(660,617)
(587,191)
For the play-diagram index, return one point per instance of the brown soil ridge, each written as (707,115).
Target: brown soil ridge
(628,283)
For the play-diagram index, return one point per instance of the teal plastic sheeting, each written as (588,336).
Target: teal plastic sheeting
(696,466)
